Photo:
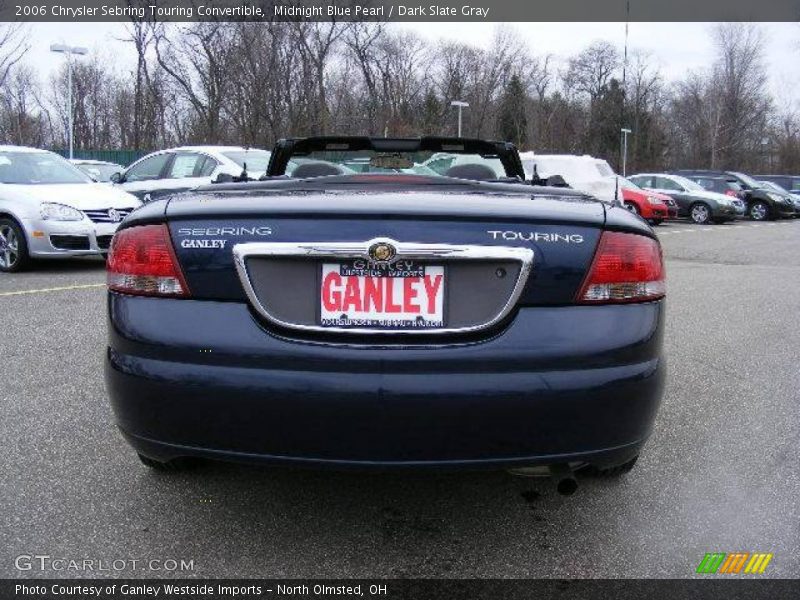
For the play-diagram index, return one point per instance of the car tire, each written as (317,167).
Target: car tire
(656,222)
(759,211)
(633,208)
(14,255)
(617,471)
(700,213)
(170,466)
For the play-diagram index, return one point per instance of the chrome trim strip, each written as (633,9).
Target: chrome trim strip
(334,250)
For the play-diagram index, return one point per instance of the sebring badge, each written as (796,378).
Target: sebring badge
(114,216)
(382,252)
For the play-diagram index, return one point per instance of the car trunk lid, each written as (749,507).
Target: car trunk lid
(560,234)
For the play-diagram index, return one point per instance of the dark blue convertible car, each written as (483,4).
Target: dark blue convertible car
(430,309)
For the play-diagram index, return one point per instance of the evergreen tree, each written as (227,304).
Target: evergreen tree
(431,118)
(512,121)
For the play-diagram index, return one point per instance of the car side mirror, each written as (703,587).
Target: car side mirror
(116,177)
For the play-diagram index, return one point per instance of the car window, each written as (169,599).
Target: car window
(746,180)
(627,184)
(781,181)
(255,159)
(462,165)
(100,172)
(604,168)
(184,165)
(687,184)
(205,166)
(149,168)
(440,164)
(642,181)
(708,184)
(664,183)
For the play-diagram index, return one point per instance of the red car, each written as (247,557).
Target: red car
(651,206)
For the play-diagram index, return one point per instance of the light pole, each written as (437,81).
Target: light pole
(625,133)
(460,105)
(69,51)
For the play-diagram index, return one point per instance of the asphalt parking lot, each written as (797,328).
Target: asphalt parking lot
(719,474)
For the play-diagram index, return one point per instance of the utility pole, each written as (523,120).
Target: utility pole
(625,133)
(69,51)
(460,105)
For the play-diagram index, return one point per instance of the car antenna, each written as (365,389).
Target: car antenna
(536,180)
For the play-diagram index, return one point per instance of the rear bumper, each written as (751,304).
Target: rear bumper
(558,385)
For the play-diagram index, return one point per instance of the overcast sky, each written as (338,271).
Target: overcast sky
(678,47)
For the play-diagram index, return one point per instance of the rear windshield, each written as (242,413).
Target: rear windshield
(38,168)
(334,162)
(255,160)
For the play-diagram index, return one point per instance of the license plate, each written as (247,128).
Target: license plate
(403,295)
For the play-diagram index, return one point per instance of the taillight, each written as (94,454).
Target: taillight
(626,268)
(142,262)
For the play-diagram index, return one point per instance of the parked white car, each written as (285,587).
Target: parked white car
(180,169)
(51,209)
(585,173)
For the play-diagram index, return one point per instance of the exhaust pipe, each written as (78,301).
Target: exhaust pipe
(566,484)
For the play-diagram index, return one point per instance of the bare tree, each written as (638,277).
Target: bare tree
(13,46)
(719,117)
(644,110)
(740,80)
(196,57)
(23,121)
(146,124)
(591,70)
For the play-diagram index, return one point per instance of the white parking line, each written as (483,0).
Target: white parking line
(727,227)
(54,289)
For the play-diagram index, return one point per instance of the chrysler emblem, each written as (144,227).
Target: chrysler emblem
(382,252)
(114,216)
